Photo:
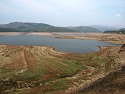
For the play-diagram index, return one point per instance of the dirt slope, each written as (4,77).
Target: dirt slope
(41,69)
(114,81)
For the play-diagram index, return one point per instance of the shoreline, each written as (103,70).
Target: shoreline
(48,33)
(10,33)
(38,33)
(50,52)
(109,38)
(103,37)
(24,33)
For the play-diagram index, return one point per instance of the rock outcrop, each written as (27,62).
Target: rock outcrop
(122,49)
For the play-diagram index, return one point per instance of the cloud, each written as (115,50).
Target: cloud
(118,15)
(36,7)
(62,12)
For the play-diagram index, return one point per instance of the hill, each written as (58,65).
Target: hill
(85,29)
(104,28)
(8,30)
(35,27)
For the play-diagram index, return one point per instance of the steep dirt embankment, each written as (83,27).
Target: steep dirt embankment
(114,81)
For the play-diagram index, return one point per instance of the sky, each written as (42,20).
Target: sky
(64,12)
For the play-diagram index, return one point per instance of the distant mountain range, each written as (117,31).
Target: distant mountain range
(105,28)
(85,29)
(34,27)
(42,27)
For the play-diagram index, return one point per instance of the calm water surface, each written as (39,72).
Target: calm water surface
(65,45)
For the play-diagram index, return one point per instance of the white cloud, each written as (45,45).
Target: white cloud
(118,15)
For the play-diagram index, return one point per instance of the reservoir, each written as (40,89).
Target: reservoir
(65,45)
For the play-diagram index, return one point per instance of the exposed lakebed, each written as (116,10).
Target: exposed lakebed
(65,45)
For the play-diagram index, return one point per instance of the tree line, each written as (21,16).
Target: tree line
(120,31)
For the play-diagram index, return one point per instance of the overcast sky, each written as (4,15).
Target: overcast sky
(64,12)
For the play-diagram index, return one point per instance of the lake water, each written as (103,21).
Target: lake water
(65,45)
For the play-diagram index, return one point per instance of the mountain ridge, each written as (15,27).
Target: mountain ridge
(104,28)
(35,27)
(86,29)
(43,27)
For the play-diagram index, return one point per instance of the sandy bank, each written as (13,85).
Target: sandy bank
(110,38)
(24,33)
(39,33)
(10,33)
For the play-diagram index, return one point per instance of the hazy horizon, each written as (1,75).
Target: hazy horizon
(64,12)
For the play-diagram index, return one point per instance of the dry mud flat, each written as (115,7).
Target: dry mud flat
(41,69)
